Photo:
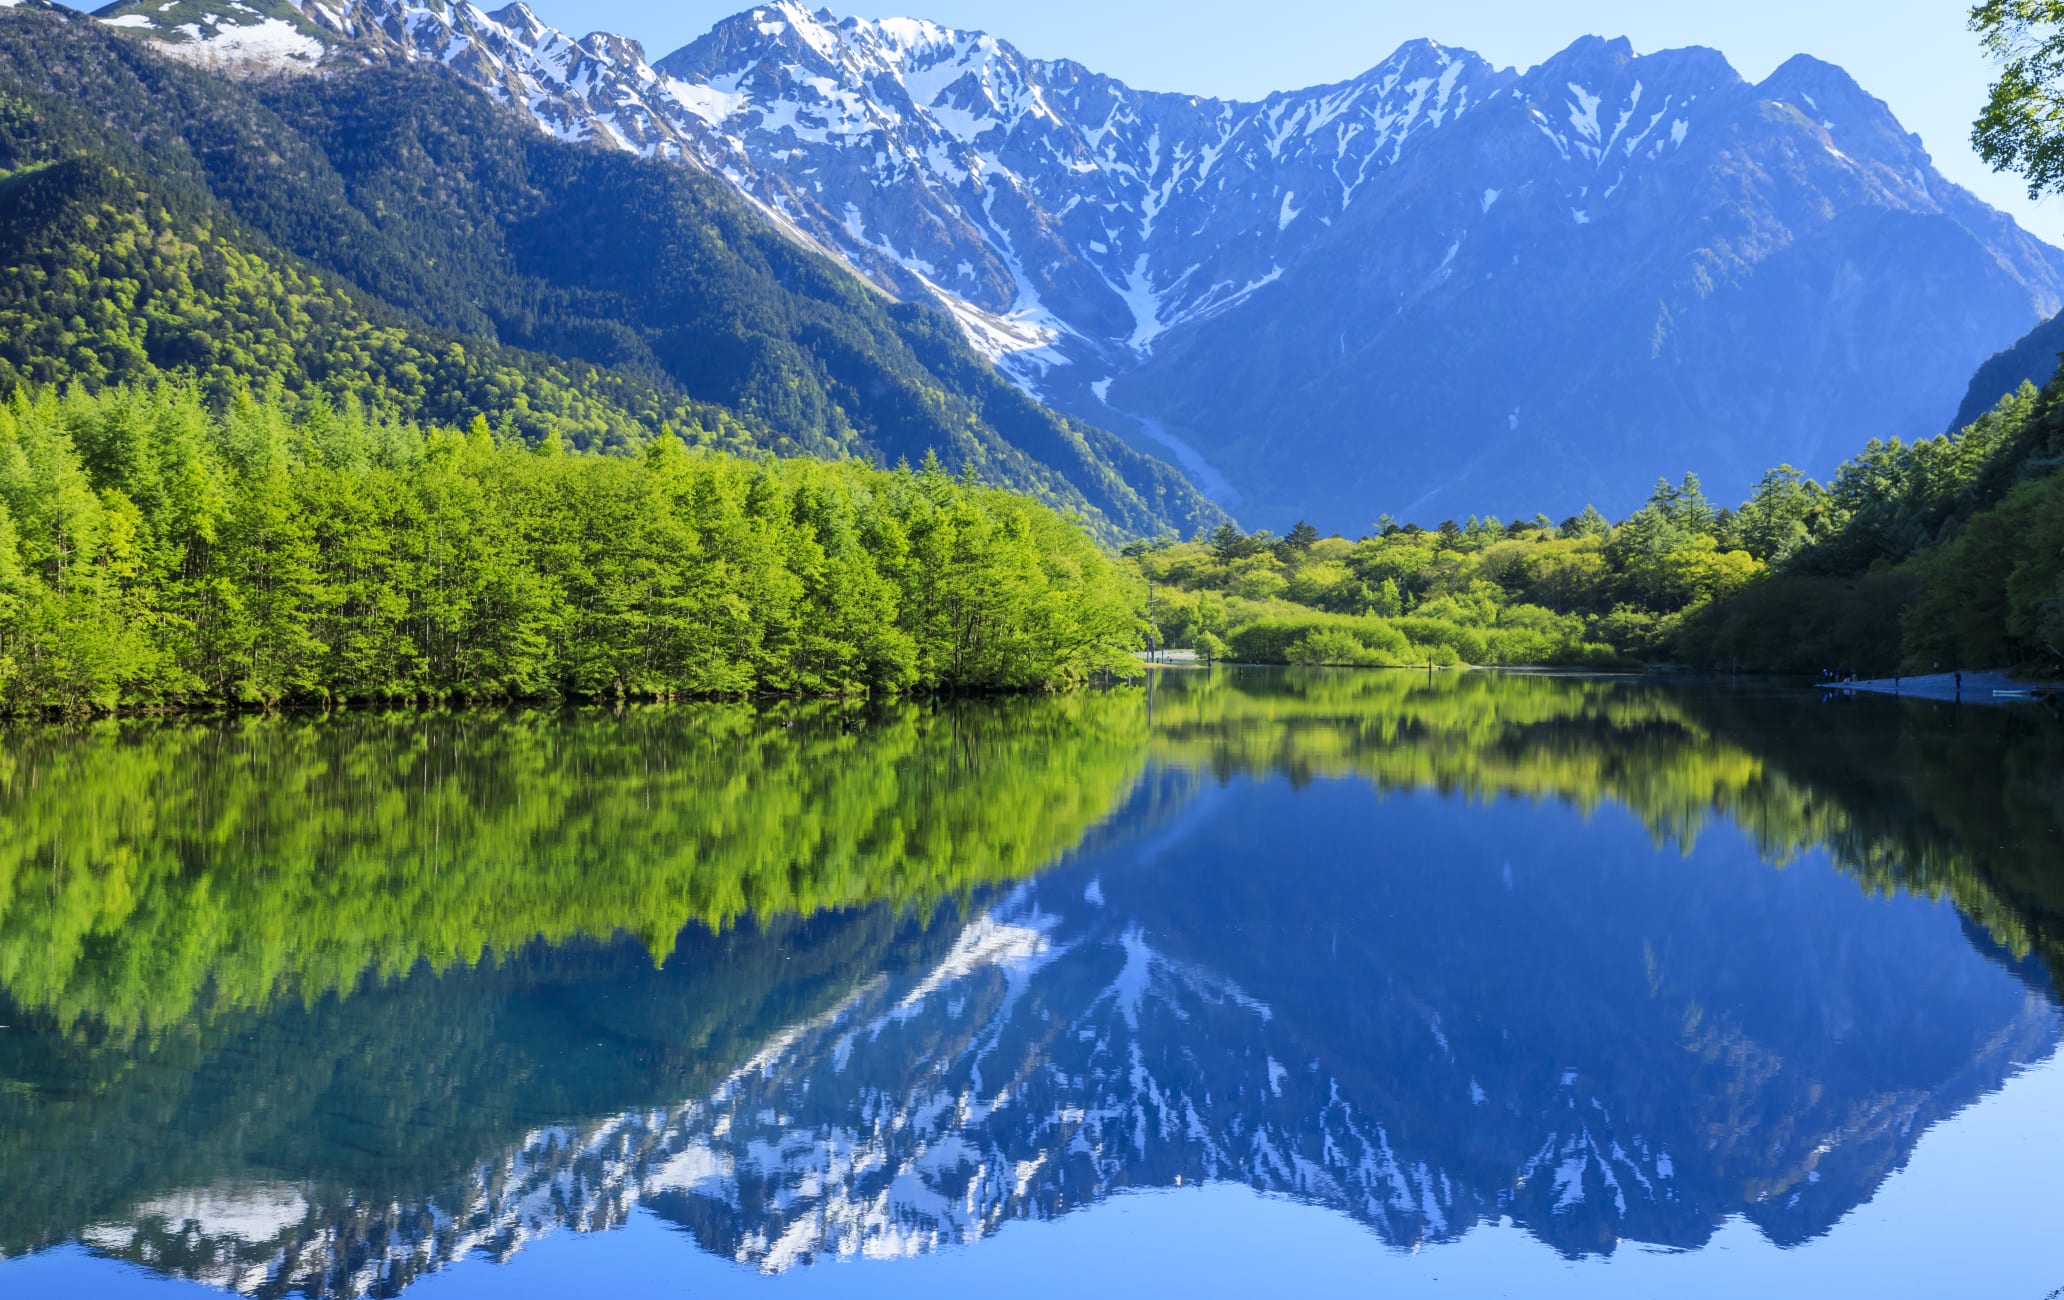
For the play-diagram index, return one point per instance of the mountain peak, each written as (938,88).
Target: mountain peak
(1587,52)
(784,28)
(1802,75)
(790,23)
(619,49)
(1860,123)
(1806,67)
(1414,51)
(1415,62)
(1698,65)
(1687,70)
(519,19)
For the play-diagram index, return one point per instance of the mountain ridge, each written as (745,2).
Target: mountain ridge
(1436,286)
(466,220)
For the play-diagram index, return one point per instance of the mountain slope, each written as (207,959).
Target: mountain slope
(1779,278)
(1437,287)
(444,209)
(105,282)
(2031,360)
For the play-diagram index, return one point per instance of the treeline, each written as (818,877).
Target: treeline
(1947,552)
(154,553)
(1580,593)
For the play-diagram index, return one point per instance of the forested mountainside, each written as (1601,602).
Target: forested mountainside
(1436,288)
(2031,360)
(1940,555)
(391,235)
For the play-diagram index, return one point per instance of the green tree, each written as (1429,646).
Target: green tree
(1300,539)
(1589,523)
(1226,541)
(1386,601)
(1684,505)
(1776,521)
(277,554)
(2022,126)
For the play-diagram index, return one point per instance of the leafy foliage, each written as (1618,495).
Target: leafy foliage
(1582,593)
(102,283)
(367,844)
(1922,556)
(2018,129)
(154,554)
(1941,553)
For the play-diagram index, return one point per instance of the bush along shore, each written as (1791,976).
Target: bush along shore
(157,552)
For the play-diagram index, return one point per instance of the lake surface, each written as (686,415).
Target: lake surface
(1247,983)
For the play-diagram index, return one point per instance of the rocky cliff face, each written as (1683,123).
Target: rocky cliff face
(1440,287)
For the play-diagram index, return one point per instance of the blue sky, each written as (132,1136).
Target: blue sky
(1914,54)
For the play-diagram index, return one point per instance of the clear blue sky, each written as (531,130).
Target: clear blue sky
(1914,54)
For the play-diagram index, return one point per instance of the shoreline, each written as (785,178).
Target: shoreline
(1975,688)
(1991,689)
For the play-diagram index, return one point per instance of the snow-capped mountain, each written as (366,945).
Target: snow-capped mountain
(1438,285)
(935,161)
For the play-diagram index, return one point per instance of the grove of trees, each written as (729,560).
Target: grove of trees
(155,553)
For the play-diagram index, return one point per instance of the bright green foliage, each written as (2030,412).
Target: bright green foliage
(1778,520)
(1481,593)
(2022,128)
(104,283)
(153,554)
(1942,553)
(369,843)
(1918,557)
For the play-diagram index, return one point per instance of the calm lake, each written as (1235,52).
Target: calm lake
(1246,983)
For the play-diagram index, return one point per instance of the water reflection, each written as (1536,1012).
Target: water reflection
(1614,963)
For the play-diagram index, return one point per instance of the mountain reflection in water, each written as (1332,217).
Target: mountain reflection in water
(319,1007)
